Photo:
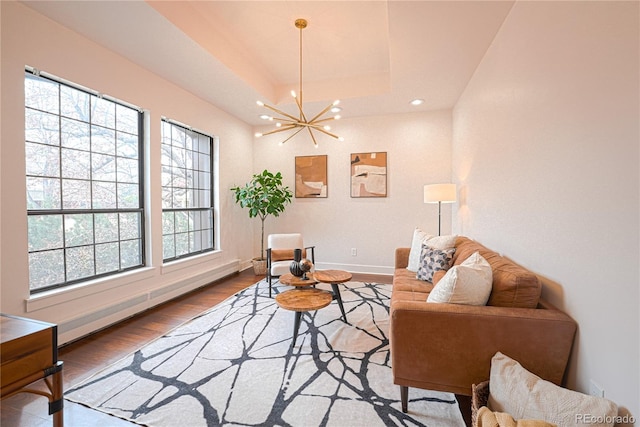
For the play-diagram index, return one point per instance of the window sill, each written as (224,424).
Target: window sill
(191,261)
(81,290)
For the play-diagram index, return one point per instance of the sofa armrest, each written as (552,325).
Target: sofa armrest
(402,257)
(449,347)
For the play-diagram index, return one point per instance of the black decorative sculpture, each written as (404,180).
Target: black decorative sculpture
(294,267)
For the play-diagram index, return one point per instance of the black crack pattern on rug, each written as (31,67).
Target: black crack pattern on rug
(313,342)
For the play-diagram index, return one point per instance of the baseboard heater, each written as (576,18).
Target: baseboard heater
(100,314)
(143,302)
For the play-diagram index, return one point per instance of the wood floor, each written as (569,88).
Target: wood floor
(88,355)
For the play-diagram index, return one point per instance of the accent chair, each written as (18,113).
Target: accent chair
(280,249)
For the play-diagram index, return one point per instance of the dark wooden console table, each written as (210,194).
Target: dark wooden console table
(29,352)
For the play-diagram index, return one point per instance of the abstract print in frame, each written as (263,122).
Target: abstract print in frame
(311,176)
(369,174)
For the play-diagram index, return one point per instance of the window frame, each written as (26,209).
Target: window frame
(211,208)
(63,212)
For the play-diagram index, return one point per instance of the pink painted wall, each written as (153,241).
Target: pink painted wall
(545,150)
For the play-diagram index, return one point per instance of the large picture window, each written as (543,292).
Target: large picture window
(84,184)
(187,191)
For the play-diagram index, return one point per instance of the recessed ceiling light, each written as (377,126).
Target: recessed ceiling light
(266,117)
(417,102)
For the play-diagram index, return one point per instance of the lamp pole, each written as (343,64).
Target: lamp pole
(439,216)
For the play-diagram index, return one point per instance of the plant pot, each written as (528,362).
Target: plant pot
(259,266)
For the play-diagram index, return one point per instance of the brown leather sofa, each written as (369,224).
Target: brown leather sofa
(448,347)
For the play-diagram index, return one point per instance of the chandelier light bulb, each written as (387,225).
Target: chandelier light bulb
(260,103)
(341,139)
(293,93)
(257,134)
(327,127)
(337,117)
(278,124)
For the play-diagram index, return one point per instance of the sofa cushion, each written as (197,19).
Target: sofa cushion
(468,283)
(513,285)
(438,275)
(515,390)
(432,260)
(405,280)
(420,237)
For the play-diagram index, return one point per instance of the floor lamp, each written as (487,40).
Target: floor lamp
(439,193)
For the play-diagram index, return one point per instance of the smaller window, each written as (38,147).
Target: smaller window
(187,192)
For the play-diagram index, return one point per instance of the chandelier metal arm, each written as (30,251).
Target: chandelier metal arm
(326,119)
(292,135)
(303,118)
(321,113)
(319,128)
(280,129)
(312,136)
(287,121)
(281,112)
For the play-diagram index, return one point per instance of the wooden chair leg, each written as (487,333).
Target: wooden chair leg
(464,403)
(404,398)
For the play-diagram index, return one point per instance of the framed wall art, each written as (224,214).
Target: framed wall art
(311,176)
(369,174)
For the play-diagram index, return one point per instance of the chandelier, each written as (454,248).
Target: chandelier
(286,122)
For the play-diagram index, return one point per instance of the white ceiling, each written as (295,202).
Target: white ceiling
(375,56)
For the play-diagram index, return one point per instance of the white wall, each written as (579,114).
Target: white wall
(31,39)
(418,147)
(545,149)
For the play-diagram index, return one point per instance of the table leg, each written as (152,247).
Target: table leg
(56,403)
(296,326)
(337,297)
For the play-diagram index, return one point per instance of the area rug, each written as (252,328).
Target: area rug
(234,365)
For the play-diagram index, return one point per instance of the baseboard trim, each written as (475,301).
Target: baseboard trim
(356,268)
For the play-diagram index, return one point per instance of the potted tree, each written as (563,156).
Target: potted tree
(264,195)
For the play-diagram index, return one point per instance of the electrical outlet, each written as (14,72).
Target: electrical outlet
(595,389)
(354,252)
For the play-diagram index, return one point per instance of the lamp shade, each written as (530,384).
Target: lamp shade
(445,193)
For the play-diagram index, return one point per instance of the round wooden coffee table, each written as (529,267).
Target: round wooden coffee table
(334,278)
(305,298)
(291,280)
(301,300)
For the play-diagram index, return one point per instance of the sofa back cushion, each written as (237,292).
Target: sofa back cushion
(513,285)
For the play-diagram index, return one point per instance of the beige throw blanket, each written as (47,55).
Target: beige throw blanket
(486,418)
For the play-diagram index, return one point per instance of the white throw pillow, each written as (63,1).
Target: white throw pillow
(468,283)
(515,390)
(435,242)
